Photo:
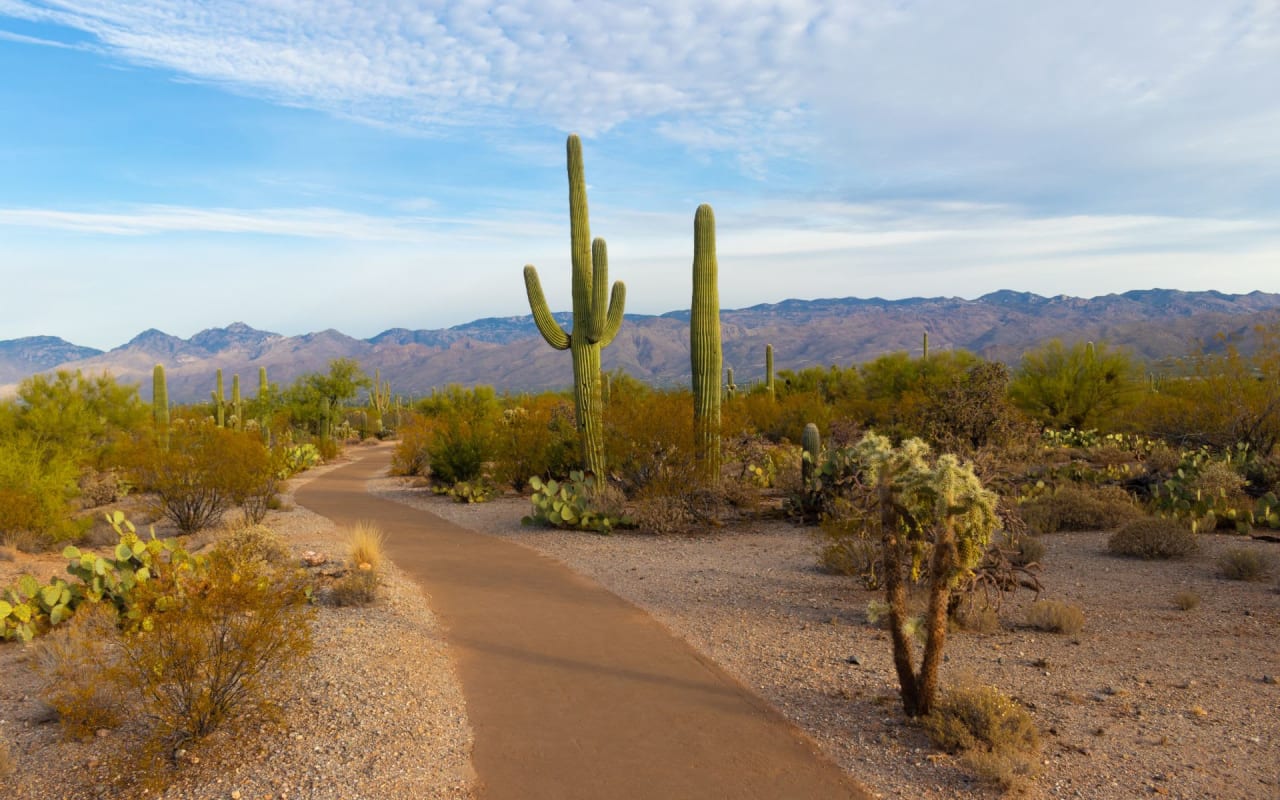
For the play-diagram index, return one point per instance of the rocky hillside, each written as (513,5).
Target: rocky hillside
(508,353)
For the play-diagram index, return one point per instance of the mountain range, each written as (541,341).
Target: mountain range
(509,354)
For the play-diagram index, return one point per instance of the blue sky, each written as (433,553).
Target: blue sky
(387,163)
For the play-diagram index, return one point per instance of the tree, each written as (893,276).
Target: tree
(1075,387)
(309,393)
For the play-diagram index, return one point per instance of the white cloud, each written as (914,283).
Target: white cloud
(1090,102)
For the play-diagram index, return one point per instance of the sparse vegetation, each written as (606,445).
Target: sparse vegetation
(994,735)
(1056,617)
(1080,508)
(1153,538)
(1187,600)
(1243,564)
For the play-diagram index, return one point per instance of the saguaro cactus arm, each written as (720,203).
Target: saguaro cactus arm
(547,325)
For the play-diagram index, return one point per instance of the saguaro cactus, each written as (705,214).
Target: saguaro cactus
(924,349)
(768,370)
(705,356)
(325,417)
(263,387)
(730,388)
(379,401)
(219,403)
(595,323)
(160,404)
(237,407)
(811,447)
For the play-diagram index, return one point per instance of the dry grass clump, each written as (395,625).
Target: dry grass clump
(1055,617)
(977,617)
(364,546)
(1079,508)
(1187,600)
(1241,564)
(1153,538)
(1028,550)
(359,587)
(994,735)
(7,553)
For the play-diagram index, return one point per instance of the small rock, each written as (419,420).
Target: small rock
(1270,679)
(235,795)
(853,660)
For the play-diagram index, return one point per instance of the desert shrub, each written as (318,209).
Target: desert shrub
(358,587)
(1077,386)
(1027,549)
(301,457)
(78,665)
(100,487)
(1055,617)
(254,543)
(213,643)
(1242,564)
(410,457)
(37,488)
(1153,538)
(1078,508)
(537,436)
(204,471)
(649,441)
(978,617)
(1187,600)
(993,734)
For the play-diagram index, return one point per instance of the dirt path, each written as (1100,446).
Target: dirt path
(572,692)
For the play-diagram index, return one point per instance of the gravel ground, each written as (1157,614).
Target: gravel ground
(376,712)
(1146,700)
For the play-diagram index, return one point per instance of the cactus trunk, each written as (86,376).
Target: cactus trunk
(706,358)
(596,317)
(811,445)
(160,405)
(237,408)
(768,370)
(219,404)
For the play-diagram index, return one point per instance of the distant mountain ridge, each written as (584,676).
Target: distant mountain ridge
(509,354)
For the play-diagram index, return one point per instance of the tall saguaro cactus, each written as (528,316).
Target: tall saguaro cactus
(595,322)
(237,407)
(768,370)
(219,403)
(160,405)
(705,356)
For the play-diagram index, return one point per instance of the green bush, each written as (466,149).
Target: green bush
(536,436)
(1153,538)
(205,471)
(37,489)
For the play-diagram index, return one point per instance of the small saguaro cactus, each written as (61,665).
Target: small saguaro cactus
(730,388)
(705,355)
(264,388)
(811,447)
(924,348)
(768,369)
(595,321)
(325,413)
(219,403)
(160,405)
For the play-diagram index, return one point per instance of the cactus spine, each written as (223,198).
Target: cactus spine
(768,370)
(595,323)
(237,408)
(219,404)
(706,357)
(160,404)
(811,444)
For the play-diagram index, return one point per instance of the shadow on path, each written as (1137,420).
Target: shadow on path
(573,693)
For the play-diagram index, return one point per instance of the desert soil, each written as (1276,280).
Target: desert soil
(1146,700)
